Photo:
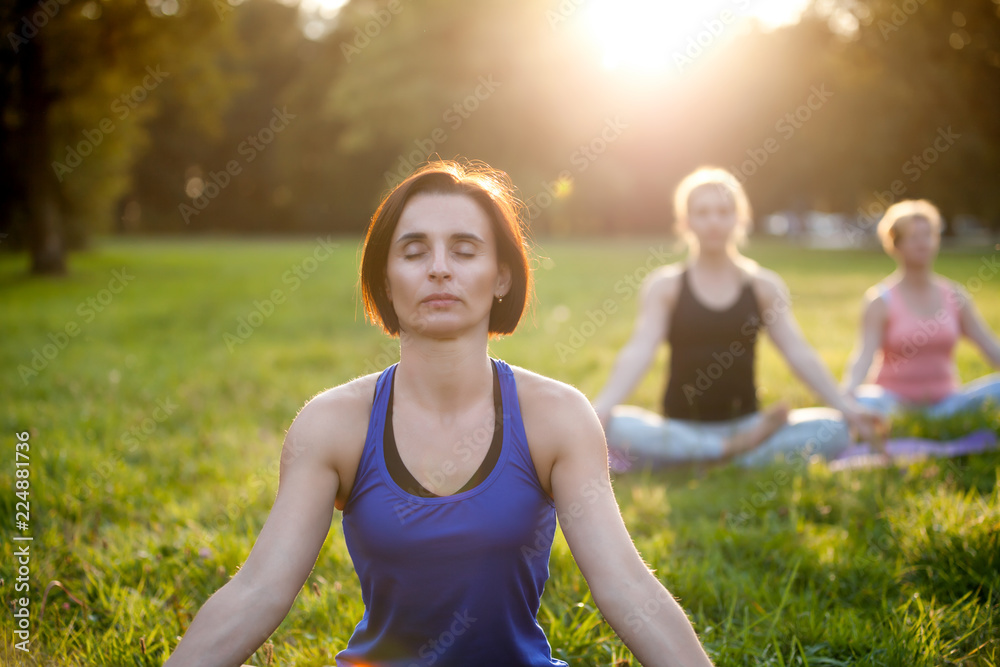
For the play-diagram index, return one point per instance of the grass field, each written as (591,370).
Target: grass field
(167,372)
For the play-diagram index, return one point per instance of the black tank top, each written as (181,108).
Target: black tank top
(712,357)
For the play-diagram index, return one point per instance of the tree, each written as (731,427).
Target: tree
(83,78)
(923,84)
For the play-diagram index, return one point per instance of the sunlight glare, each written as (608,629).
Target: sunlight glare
(326,9)
(775,13)
(653,36)
(647,35)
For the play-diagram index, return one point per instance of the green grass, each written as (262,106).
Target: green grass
(154,446)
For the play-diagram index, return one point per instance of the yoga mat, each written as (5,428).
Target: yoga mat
(904,450)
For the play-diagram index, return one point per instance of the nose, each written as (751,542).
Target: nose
(439,264)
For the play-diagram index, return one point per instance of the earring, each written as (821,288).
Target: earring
(500,299)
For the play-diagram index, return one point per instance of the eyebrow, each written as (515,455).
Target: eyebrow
(421,236)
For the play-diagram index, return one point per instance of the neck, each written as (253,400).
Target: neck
(444,375)
(915,276)
(722,259)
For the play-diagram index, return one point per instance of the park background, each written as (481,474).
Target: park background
(186,185)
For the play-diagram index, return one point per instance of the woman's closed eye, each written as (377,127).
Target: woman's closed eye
(414,250)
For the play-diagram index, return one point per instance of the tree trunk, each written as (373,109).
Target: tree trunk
(46,235)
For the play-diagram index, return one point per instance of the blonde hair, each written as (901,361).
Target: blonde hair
(726,183)
(898,216)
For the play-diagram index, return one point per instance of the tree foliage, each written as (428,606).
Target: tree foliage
(858,103)
(83,79)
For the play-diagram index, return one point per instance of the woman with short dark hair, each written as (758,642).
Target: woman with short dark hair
(450,467)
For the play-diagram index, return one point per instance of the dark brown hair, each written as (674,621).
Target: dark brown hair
(492,190)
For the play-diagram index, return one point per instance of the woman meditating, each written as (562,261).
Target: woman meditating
(913,319)
(710,310)
(450,467)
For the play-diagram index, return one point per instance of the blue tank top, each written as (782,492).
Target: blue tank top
(450,580)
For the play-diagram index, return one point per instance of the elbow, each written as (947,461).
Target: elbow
(640,354)
(267,597)
(626,600)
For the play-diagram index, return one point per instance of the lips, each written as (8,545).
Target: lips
(440,299)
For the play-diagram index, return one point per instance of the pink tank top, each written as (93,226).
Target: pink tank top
(917,352)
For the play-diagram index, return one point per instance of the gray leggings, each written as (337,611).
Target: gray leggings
(645,439)
(969,397)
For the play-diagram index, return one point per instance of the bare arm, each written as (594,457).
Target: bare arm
(633,601)
(975,328)
(241,615)
(634,360)
(802,358)
(869,341)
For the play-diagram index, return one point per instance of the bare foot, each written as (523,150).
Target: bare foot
(772,419)
(879,427)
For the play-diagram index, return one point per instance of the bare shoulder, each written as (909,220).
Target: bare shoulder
(331,427)
(764,280)
(874,299)
(548,396)
(554,414)
(664,277)
(955,289)
(663,283)
(342,405)
(769,287)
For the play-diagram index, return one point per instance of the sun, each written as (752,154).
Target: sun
(657,36)
(645,35)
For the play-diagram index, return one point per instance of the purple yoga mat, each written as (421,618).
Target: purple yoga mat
(906,449)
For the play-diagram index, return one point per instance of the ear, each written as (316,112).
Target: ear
(503,279)
(385,281)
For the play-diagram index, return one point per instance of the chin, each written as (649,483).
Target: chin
(438,328)
(713,247)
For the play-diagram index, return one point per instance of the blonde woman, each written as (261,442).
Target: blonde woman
(913,319)
(710,310)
